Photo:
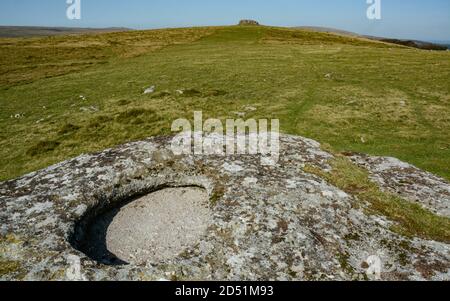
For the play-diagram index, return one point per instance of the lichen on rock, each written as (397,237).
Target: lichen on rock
(268,222)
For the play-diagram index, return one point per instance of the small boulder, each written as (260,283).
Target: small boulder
(91,109)
(250,109)
(150,90)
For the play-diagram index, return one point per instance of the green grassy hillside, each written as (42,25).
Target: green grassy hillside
(351,93)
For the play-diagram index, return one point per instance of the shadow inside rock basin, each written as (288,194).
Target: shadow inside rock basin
(94,243)
(151,228)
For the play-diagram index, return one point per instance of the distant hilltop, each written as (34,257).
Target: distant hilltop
(403,42)
(40,31)
(415,44)
(37,31)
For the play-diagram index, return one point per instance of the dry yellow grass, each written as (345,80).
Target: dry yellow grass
(30,59)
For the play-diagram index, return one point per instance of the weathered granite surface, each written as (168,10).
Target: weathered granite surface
(408,181)
(269,222)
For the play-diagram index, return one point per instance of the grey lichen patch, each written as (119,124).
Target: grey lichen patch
(411,183)
(429,269)
(277,222)
(411,219)
(352,236)
(10,266)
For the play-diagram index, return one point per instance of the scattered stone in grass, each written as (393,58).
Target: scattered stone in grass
(18,116)
(250,109)
(239,114)
(403,103)
(42,147)
(44,119)
(328,75)
(82,97)
(150,90)
(91,109)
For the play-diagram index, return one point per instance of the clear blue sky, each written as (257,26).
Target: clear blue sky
(416,19)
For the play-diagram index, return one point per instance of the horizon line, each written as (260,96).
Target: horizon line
(198,26)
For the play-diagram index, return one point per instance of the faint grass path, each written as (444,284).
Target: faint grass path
(280,72)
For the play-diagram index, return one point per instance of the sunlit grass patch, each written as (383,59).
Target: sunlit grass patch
(369,97)
(29,59)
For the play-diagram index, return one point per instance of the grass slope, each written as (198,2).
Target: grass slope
(354,94)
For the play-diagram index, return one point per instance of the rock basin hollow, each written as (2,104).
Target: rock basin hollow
(153,228)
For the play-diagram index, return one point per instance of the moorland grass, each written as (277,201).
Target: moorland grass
(354,94)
